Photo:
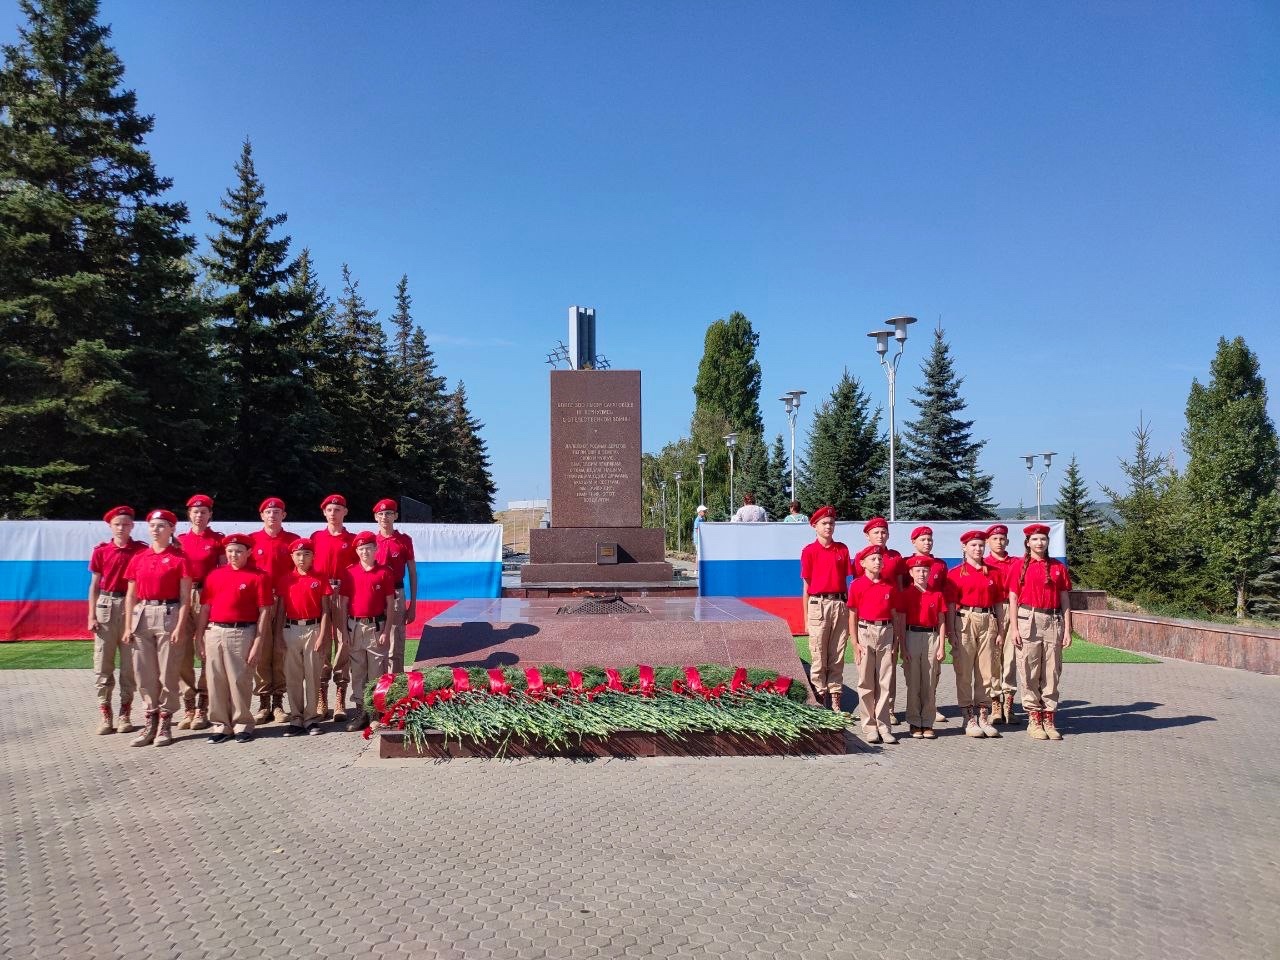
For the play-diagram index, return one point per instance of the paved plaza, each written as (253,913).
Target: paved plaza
(1152,830)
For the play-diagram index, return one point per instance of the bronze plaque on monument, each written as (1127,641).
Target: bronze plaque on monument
(595,448)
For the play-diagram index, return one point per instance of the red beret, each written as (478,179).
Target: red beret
(920,560)
(973,535)
(821,514)
(302,543)
(117,512)
(241,538)
(873,523)
(270,502)
(867,551)
(922,532)
(364,537)
(387,504)
(995,528)
(200,500)
(337,498)
(1035,528)
(166,515)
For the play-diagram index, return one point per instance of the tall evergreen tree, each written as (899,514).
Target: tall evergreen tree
(847,458)
(324,370)
(728,384)
(939,477)
(473,492)
(96,296)
(778,483)
(1264,588)
(1080,516)
(1233,467)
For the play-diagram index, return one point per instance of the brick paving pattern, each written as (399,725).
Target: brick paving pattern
(1153,830)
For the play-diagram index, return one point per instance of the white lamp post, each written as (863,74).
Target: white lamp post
(1039,477)
(702,480)
(731,441)
(792,399)
(678,476)
(899,333)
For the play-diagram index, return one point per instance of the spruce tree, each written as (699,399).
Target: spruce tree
(728,384)
(1080,516)
(1264,588)
(778,482)
(323,366)
(96,293)
(471,499)
(1233,467)
(846,461)
(938,476)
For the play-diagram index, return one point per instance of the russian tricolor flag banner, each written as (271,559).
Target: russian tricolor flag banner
(44,569)
(760,562)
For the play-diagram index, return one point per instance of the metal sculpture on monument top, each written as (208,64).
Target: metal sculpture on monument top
(596,537)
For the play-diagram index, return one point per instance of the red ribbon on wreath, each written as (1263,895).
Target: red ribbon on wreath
(498,683)
(461,681)
(694,679)
(575,681)
(382,689)
(416,681)
(739,679)
(646,679)
(534,683)
(614,679)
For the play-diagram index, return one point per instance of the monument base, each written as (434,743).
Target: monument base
(596,573)
(568,555)
(577,588)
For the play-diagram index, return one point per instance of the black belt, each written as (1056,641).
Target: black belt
(961,606)
(118,594)
(826,596)
(873,623)
(922,629)
(375,620)
(157,603)
(301,623)
(1023,606)
(236,625)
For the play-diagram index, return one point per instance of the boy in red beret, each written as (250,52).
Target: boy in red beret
(107,587)
(874,608)
(369,588)
(975,595)
(333,554)
(1004,682)
(395,551)
(824,571)
(924,611)
(304,597)
(922,545)
(1038,593)
(233,632)
(203,549)
(270,557)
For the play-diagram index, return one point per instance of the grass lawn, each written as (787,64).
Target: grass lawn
(48,655)
(1080,651)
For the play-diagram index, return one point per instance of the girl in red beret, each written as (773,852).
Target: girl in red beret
(824,571)
(1038,588)
(975,594)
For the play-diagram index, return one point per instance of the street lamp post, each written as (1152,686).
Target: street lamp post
(731,440)
(792,399)
(1039,477)
(678,476)
(702,480)
(662,486)
(899,333)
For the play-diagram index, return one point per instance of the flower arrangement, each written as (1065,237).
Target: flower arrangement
(556,707)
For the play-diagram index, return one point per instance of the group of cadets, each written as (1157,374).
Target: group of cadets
(1005,616)
(269,614)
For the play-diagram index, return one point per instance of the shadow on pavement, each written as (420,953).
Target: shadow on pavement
(1080,716)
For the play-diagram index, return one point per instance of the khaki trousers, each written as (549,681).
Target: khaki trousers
(875,671)
(270,666)
(368,660)
(226,652)
(108,629)
(398,633)
(302,664)
(329,668)
(922,685)
(1006,677)
(828,621)
(155,658)
(971,655)
(192,686)
(1039,658)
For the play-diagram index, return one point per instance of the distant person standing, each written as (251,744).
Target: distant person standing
(107,588)
(203,549)
(824,572)
(750,511)
(1038,595)
(795,514)
(699,518)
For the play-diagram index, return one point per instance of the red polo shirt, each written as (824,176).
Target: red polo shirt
(1002,567)
(395,552)
(973,587)
(334,553)
(111,562)
(367,590)
(271,554)
(825,569)
(1034,592)
(303,594)
(235,596)
(923,608)
(892,568)
(873,601)
(203,552)
(158,576)
(937,579)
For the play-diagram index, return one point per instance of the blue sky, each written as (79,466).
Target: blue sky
(1084,193)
